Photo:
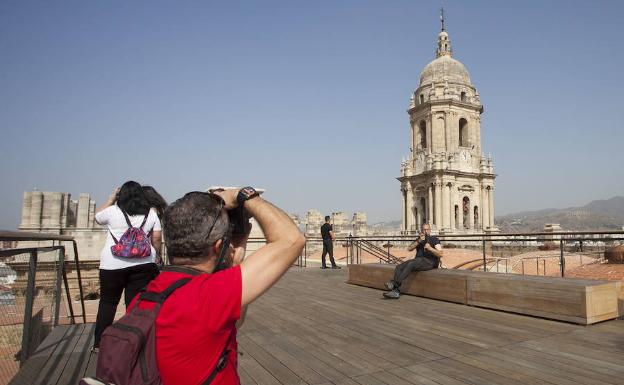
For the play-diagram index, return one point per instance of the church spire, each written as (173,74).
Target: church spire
(444,43)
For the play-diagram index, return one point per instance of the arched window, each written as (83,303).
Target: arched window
(456,216)
(423,134)
(463,132)
(466,212)
(422,99)
(463,97)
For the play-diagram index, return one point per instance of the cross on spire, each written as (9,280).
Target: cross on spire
(442,17)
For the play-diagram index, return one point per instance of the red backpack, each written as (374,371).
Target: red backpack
(134,243)
(127,353)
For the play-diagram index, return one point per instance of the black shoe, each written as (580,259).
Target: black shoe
(336,267)
(390,285)
(394,294)
(324,267)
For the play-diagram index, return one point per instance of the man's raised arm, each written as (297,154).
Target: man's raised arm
(265,266)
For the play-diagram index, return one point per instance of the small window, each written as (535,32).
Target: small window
(463,132)
(463,97)
(423,134)
(422,98)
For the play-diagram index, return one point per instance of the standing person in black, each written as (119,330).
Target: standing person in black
(327,234)
(428,254)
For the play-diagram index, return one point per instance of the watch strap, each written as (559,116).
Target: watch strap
(245,194)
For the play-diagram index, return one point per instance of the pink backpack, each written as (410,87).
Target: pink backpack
(134,243)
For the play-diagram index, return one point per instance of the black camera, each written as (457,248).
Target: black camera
(239,220)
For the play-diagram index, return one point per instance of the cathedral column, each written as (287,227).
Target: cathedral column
(410,209)
(430,206)
(491,206)
(429,123)
(438,204)
(404,207)
(419,212)
(485,205)
(446,202)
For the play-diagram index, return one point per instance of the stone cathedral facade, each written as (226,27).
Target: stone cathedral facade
(447,181)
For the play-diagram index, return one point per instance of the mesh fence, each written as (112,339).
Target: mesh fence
(20,336)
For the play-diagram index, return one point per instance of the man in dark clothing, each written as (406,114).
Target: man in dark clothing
(327,233)
(428,254)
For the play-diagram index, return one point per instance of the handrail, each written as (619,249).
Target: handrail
(7,235)
(377,251)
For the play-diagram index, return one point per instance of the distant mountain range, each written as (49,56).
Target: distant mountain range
(607,214)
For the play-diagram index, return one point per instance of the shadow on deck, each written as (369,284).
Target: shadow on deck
(312,328)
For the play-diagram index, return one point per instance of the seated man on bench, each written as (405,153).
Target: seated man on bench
(428,254)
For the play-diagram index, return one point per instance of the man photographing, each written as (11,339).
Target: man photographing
(428,255)
(196,326)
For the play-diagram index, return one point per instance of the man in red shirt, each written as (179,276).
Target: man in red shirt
(197,323)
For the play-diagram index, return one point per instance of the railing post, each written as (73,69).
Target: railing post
(562,259)
(82,305)
(57,292)
(30,297)
(484,259)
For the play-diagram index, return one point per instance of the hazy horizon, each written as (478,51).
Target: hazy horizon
(307,100)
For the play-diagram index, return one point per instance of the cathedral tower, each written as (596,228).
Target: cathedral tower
(447,181)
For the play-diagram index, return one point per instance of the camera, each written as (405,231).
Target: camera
(239,217)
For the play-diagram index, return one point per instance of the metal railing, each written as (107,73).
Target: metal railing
(501,252)
(33,281)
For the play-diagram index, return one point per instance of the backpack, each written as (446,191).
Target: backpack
(127,353)
(134,243)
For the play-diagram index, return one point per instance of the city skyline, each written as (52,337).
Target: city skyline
(307,101)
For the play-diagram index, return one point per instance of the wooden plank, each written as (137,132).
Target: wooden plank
(300,368)
(496,360)
(53,369)
(257,373)
(470,374)
(33,366)
(560,371)
(411,377)
(436,376)
(264,357)
(78,358)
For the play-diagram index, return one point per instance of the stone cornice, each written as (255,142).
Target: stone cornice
(431,173)
(447,102)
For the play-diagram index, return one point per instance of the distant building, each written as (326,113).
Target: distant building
(56,213)
(340,223)
(359,225)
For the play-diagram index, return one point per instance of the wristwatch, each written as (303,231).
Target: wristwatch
(245,194)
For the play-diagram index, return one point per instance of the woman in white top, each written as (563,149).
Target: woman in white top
(118,274)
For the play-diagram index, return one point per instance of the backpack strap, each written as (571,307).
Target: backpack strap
(221,364)
(144,220)
(126,217)
(114,239)
(162,296)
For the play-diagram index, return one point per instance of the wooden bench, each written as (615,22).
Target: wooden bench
(567,299)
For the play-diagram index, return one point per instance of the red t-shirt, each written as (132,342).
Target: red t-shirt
(194,325)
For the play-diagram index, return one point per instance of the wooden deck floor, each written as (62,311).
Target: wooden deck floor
(312,328)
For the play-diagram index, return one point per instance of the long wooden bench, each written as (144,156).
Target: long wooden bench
(567,299)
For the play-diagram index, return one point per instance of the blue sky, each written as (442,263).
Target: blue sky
(306,99)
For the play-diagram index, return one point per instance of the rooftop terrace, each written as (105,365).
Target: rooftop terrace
(312,328)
